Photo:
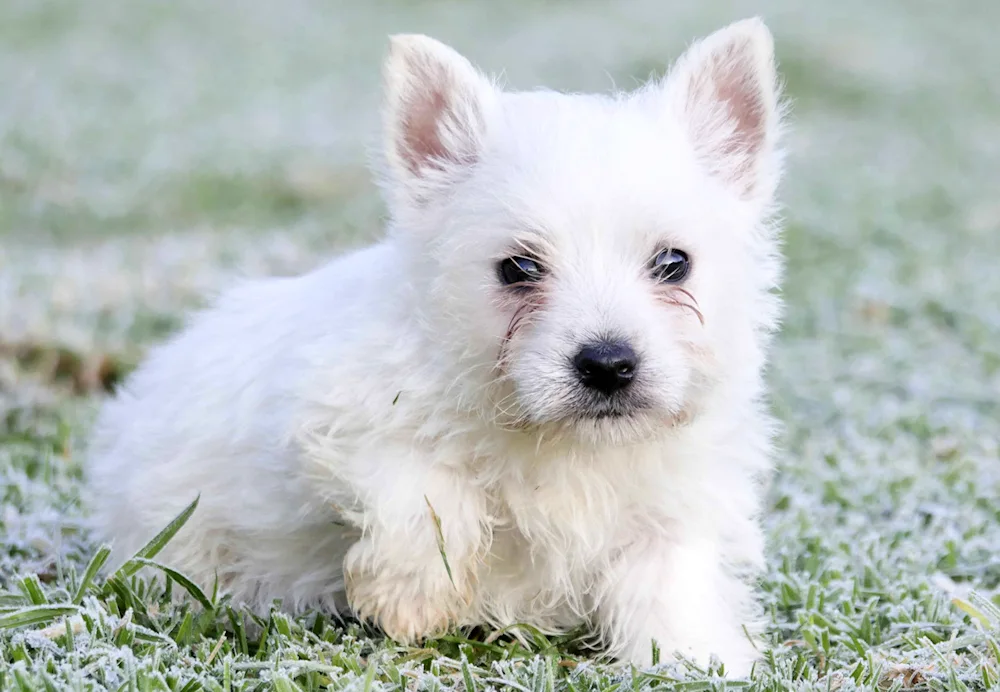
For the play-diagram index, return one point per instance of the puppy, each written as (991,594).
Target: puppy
(538,399)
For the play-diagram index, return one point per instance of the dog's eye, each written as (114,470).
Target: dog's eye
(519,270)
(671,266)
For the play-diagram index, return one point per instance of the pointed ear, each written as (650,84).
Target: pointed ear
(724,88)
(435,108)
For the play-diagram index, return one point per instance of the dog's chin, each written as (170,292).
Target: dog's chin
(612,425)
(613,428)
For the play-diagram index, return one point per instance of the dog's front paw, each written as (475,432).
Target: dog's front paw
(734,649)
(698,637)
(409,606)
(680,595)
(736,652)
(403,607)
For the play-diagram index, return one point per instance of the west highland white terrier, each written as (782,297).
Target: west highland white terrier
(538,399)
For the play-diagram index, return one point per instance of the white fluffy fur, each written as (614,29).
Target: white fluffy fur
(326,420)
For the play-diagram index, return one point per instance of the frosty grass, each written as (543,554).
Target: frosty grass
(149,152)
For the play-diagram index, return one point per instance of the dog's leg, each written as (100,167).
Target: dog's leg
(679,594)
(413,572)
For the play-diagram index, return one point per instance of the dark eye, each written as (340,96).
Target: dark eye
(671,266)
(519,270)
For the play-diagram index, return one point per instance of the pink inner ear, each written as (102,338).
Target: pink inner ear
(736,86)
(731,81)
(439,121)
(422,143)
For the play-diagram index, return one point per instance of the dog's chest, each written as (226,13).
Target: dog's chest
(571,487)
(575,511)
(554,536)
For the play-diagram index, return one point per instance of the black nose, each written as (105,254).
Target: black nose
(606,366)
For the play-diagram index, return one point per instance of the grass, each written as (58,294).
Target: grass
(149,152)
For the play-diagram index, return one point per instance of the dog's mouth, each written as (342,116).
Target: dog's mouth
(619,419)
(614,422)
(616,407)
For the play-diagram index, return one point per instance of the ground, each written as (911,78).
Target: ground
(149,152)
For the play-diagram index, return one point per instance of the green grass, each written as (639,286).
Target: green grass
(150,152)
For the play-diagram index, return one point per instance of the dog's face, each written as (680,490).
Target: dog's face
(603,261)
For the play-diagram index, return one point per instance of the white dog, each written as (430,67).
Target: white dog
(537,400)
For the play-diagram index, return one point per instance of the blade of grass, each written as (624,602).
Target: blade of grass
(93,567)
(470,683)
(35,615)
(180,578)
(32,588)
(158,542)
(440,540)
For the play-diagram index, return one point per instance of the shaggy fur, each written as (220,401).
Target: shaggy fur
(340,425)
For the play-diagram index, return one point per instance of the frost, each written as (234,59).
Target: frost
(240,150)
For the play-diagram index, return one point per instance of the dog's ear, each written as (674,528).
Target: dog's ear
(725,90)
(434,111)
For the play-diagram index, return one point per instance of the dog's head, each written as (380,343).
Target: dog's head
(596,264)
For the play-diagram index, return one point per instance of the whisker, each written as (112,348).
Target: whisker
(692,305)
(696,311)
(516,321)
(687,293)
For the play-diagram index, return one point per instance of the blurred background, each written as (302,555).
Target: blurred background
(152,151)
